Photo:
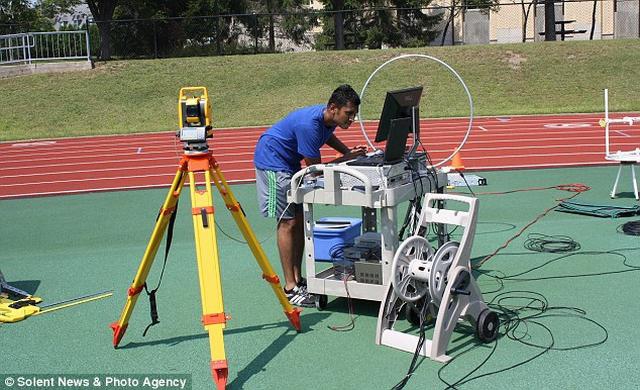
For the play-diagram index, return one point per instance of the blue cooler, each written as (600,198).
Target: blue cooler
(330,234)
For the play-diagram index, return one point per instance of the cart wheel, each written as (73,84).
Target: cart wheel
(321,301)
(487,326)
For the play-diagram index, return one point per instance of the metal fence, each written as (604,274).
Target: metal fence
(25,48)
(507,21)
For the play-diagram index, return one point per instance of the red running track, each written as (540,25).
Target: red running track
(76,165)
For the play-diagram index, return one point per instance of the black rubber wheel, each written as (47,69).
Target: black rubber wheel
(487,326)
(321,301)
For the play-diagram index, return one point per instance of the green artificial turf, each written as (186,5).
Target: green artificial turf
(66,246)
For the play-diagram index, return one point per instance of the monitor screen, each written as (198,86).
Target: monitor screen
(397,105)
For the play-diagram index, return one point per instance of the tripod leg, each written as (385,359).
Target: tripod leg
(293,314)
(213,318)
(168,208)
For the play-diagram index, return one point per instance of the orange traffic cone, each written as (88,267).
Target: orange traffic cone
(456,163)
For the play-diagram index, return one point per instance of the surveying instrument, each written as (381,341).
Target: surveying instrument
(194,112)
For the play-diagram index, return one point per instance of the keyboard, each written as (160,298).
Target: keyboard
(375,160)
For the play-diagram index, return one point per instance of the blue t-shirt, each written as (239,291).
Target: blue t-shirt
(300,134)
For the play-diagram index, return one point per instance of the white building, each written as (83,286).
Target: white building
(77,19)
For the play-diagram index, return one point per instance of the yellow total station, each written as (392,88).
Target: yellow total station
(194,119)
(194,107)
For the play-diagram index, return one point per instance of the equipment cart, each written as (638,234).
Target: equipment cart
(378,190)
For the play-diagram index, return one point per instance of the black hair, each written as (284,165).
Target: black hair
(343,95)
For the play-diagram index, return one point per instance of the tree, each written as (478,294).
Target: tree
(549,21)
(374,23)
(336,27)
(22,16)
(593,19)
(143,28)
(102,11)
(288,18)
(415,27)
(224,29)
(338,23)
(51,8)
(525,13)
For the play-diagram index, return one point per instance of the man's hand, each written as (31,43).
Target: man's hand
(354,152)
(358,151)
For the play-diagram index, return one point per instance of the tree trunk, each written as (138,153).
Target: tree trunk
(338,20)
(105,40)
(102,11)
(525,16)
(593,19)
(272,29)
(338,24)
(446,27)
(444,33)
(218,33)
(549,21)
(453,25)
(527,11)
(272,34)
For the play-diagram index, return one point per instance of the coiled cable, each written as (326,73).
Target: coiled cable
(631,228)
(539,242)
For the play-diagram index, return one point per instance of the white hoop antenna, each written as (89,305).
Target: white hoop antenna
(466,136)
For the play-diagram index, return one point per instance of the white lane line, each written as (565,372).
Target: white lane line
(168,174)
(551,165)
(620,132)
(101,189)
(30,144)
(482,128)
(567,125)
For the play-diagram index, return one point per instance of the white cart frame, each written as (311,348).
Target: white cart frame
(382,200)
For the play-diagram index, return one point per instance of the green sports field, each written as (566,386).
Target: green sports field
(65,246)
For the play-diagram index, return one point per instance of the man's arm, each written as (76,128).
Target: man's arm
(312,160)
(336,144)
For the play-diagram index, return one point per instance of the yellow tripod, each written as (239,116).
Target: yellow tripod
(200,160)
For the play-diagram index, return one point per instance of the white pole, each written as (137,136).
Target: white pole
(606,120)
(86,34)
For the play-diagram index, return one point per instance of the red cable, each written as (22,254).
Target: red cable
(577,188)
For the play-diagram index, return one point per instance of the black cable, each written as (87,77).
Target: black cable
(465,181)
(412,202)
(614,252)
(516,321)
(631,228)
(419,345)
(539,242)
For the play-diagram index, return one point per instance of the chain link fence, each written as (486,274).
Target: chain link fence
(449,24)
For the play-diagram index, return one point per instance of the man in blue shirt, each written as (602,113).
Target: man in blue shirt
(279,152)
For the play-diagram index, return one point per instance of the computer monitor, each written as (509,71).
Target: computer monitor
(397,140)
(398,104)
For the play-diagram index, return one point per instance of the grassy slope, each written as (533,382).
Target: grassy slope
(140,96)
